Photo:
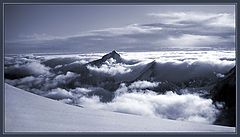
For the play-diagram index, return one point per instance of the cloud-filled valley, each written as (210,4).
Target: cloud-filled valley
(167,84)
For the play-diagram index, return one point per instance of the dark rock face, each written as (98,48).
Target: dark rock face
(58,61)
(112,54)
(225,91)
(148,72)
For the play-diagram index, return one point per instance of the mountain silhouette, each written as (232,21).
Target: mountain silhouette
(148,72)
(225,91)
(112,54)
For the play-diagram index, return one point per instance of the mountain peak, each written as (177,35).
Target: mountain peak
(113,55)
(114,52)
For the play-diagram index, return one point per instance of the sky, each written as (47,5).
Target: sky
(102,28)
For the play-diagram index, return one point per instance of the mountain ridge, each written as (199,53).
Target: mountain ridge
(112,54)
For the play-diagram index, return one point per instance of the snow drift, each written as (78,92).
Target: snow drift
(26,112)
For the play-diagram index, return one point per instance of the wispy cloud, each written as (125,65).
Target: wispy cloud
(217,19)
(172,29)
(188,40)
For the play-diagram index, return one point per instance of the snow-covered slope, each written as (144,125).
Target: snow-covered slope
(25,111)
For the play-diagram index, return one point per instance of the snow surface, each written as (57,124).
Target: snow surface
(27,112)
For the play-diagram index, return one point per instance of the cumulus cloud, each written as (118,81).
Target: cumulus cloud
(26,69)
(170,105)
(111,67)
(66,101)
(185,107)
(143,84)
(40,83)
(80,62)
(81,90)
(59,93)
(219,75)
(37,68)
(60,80)
(63,78)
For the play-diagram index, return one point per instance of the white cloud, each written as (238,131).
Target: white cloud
(111,67)
(59,93)
(189,40)
(66,101)
(219,75)
(143,84)
(170,105)
(22,68)
(58,66)
(37,68)
(180,16)
(130,29)
(39,37)
(214,19)
(69,75)
(223,20)
(80,91)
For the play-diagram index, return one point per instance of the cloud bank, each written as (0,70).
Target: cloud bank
(186,107)
(111,67)
(171,87)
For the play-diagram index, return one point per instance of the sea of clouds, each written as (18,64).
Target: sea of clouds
(62,77)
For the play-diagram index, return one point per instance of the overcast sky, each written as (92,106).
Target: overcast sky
(102,28)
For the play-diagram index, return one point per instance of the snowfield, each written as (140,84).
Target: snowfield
(27,112)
